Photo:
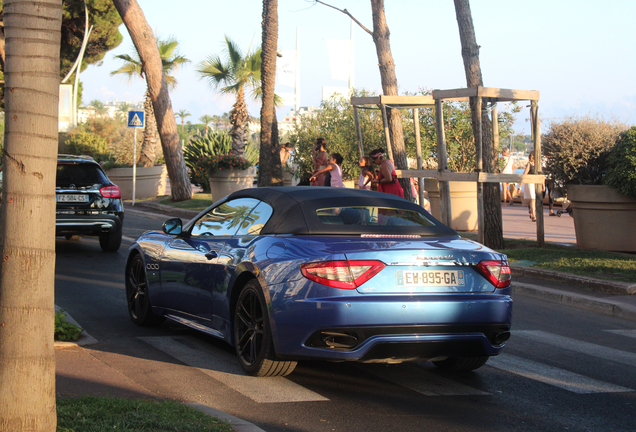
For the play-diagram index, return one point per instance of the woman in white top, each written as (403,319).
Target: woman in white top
(334,168)
(507,169)
(366,173)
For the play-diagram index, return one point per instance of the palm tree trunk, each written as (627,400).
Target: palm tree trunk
(493,225)
(238,119)
(269,167)
(146,45)
(389,87)
(27,227)
(147,154)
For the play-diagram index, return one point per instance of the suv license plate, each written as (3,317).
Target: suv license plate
(72,198)
(418,278)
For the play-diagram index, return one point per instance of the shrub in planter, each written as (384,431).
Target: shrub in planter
(212,144)
(214,164)
(87,143)
(577,149)
(621,170)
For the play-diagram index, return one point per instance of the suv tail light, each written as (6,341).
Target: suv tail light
(342,274)
(110,192)
(497,272)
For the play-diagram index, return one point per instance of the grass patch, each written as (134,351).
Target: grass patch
(199,202)
(566,259)
(97,414)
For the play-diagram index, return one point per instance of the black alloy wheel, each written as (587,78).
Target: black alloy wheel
(139,307)
(253,336)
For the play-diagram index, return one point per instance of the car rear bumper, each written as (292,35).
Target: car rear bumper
(88,224)
(393,328)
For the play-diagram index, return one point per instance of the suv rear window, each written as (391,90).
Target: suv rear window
(372,216)
(79,175)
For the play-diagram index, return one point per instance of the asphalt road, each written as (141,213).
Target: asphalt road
(563,369)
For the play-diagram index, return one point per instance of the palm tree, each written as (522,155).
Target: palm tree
(170,60)
(233,76)
(27,230)
(183,114)
(100,108)
(206,120)
(122,111)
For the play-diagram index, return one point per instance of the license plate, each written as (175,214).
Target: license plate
(442,278)
(72,198)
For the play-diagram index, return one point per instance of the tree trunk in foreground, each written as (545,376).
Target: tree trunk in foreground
(493,225)
(147,155)
(269,167)
(27,215)
(146,45)
(389,87)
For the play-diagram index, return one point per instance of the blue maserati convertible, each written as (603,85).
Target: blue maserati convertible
(290,273)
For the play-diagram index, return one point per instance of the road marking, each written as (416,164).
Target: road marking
(224,367)
(128,239)
(553,376)
(420,380)
(587,348)
(628,333)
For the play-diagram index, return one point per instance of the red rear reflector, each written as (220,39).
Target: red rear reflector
(497,272)
(342,274)
(110,192)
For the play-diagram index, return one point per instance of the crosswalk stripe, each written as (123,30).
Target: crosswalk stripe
(420,380)
(587,348)
(553,376)
(224,367)
(628,333)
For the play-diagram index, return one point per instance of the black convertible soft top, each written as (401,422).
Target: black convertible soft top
(295,211)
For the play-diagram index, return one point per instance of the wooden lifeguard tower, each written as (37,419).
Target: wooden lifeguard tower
(483,95)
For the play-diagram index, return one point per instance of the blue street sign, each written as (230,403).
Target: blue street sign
(136,119)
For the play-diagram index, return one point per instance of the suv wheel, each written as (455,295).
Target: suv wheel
(110,241)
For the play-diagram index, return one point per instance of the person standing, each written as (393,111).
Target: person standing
(334,169)
(321,161)
(366,173)
(508,168)
(529,188)
(387,179)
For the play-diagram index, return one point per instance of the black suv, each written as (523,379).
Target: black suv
(88,203)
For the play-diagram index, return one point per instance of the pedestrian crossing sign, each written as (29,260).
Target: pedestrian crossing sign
(136,119)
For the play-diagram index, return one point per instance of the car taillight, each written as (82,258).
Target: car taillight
(497,272)
(342,274)
(110,192)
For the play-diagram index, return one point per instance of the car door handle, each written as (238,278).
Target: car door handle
(211,255)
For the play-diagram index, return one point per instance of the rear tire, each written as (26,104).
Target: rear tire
(111,241)
(461,363)
(253,335)
(137,298)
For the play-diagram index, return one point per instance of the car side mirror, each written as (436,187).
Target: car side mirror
(172,226)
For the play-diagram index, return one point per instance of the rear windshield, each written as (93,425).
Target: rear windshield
(373,216)
(79,175)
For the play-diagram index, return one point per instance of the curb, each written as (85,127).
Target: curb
(238,424)
(84,339)
(604,306)
(609,287)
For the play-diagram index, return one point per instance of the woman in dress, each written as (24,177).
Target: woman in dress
(321,161)
(529,191)
(507,169)
(387,179)
(366,173)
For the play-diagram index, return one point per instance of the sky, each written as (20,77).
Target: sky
(579,54)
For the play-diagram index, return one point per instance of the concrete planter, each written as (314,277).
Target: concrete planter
(463,203)
(603,218)
(151,181)
(226,181)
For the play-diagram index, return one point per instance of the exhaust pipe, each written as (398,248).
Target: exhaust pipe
(339,340)
(502,337)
